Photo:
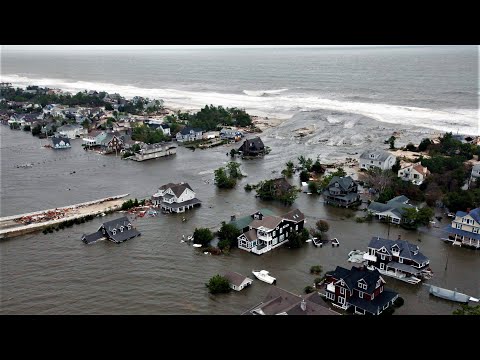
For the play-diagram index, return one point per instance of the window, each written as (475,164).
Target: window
(382,257)
(475,230)
(458,226)
(341,300)
(400,260)
(373,295)
(470,221)
(365,286)
(296,227)
(129,227)
(342,291)
(121,228)
(114,231)
(371,161)
(360,294)
(379,163)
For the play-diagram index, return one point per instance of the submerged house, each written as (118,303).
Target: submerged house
(175,197)
(72,131)
(263,231)
(252,147)
(342,191)
(399,259)
(360,289)
(60,143)
(237,281)
(465,229)
(393,209)
(117,231)
(189,134)
(282,302)
(154,151)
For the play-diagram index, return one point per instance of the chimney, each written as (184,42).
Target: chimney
(303,305)
(233,218)
(468,210)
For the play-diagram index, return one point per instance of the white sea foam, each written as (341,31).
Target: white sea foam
(263,92)
(280,106)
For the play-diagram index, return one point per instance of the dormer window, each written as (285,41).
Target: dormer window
(121,228)
(336,184)
(114,231)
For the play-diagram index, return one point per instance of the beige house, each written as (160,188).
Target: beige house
(416,173)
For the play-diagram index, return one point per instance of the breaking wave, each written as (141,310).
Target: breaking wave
(281,106)
(263,92)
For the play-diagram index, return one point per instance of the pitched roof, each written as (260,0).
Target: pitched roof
(382,155)
(126,234)
(396,205)
(269,222)
(178,189)
(244,221)
(251,235)
(475,214)
(186,130)
(476,167)
(460,232)
(115,224)
(280,301)
(353,276)
(282,184)
(373,306)
(90,238)
(166,186)
(294,215)
(406,248)
(421,169)
(236,278)
(57,140)
(401,198)
(343,181)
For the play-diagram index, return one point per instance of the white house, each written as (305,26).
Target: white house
(189,134)
(211,135)
(416,173)
(72,131)
(377,158)
(175,197)
(237,281)
(465,229)
(393,209)
(165,129)
(476,172)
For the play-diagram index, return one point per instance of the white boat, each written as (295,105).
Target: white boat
(264,276)
(197,245)
(309,240)
(356,256)
(335,242)
(451,295)
(189,237)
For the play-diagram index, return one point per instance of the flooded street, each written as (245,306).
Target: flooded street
(156,273)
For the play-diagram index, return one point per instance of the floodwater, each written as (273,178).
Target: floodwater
(156,273)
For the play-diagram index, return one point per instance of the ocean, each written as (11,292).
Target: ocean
(435,87)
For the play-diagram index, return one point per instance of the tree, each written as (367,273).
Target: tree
(233,152)
(218,284)
(294,240)
(304,176)
(391,141)
(86,124)
(202,236)
(316,269)
(234,170)
(108,107)
(396,167)
(379,179)
(322,226)
(228,233)
(222,180)
(26,128)
(309,289)
(313,187)
(410,147)
(288,171)
(317,167)
(37,129)
(467,310)
(424,144)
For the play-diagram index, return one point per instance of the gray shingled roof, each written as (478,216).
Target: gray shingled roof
(383,155)
(236,278)
(406,248)
(121,236)
(178,189)
(373,306)
(186,130)
(91,238)
(114,224)
(343,181)
(395,205)
(57,140)
(353,276)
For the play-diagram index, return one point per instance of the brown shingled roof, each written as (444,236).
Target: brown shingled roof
(235,278)
(294,215)
(251,234)
(269,222)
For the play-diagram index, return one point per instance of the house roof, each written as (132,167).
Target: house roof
(115,224)
(165,126)
(343,181)
(282,184)
(382,155)
(475,214)
(396,205)
(57,140)
(186,130)
(294,215)
(251,235)
(421,169)
(236,278)
(90,238)
(280,301)
(406,248)
(244,221)
(476,167)
(166,186)
(372,306)
(353,276)
(124,235)
(178,189)
(269,222)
